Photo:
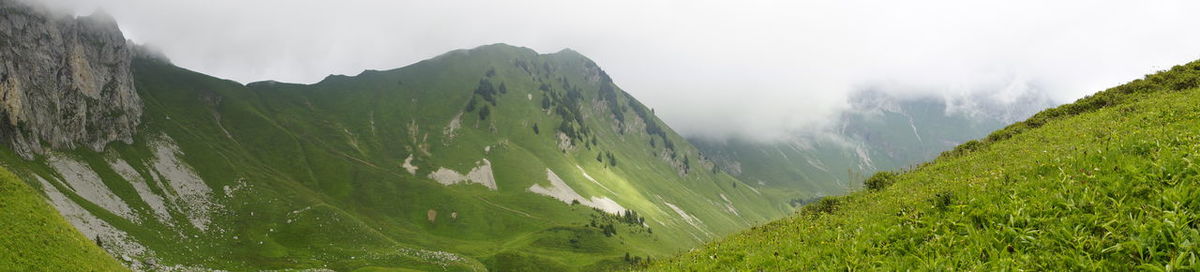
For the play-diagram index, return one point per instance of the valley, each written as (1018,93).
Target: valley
(499,157)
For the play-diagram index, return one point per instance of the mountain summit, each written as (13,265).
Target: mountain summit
(496,157)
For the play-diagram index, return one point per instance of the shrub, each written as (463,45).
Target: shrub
(969,146)
(880,180)
(943,200)
(827,205)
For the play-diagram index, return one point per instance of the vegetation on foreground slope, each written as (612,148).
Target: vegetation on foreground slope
(36,237)
(1107,183)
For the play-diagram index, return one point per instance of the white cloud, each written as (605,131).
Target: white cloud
(715,68)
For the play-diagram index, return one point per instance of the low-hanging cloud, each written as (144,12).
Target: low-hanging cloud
(757,69)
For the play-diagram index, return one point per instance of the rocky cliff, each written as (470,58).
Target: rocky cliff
(65,82)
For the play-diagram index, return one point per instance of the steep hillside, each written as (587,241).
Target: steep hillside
(36,237)
(495,158)
(878,132)
(1106,183)
(65,81)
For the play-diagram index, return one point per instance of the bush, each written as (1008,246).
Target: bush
(943,200)
(969,146)
(880,180)
(827,205)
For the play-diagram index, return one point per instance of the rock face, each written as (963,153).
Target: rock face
(65,82)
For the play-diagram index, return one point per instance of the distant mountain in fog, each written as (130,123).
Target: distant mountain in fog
(879,131)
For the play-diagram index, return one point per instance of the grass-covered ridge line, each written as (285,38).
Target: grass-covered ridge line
(1180,77)
(440,165)
(1107,183)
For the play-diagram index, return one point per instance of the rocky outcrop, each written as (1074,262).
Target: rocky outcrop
(65,82)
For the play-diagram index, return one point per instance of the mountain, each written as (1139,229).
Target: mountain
(496,158)
(878,132)
(1105,183)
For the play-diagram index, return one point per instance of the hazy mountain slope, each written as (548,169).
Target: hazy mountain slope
(341,146)
(345,141)
(878,132)
(491,158)
(36,237)
(1105,183)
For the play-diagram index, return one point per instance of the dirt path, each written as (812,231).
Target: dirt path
(507,208)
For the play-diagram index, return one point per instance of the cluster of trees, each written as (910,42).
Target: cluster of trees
(653,128)
(567,105)
(609,93)
(487,92)
(607,228)
(607,223)
(631,217)
(637,260)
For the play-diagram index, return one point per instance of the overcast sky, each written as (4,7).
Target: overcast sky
(709,68)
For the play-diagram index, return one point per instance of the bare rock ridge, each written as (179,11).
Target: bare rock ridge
(65,82)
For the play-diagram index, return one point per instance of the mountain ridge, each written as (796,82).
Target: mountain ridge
(495,158)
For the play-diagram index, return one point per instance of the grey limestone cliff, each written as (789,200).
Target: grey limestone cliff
(65,81)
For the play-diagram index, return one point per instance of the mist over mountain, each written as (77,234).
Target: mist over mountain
(495,157)
(751,69)
(878,131)
(281,135)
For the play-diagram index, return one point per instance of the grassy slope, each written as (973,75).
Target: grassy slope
(36,237)
(322,184)
(1106,183)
